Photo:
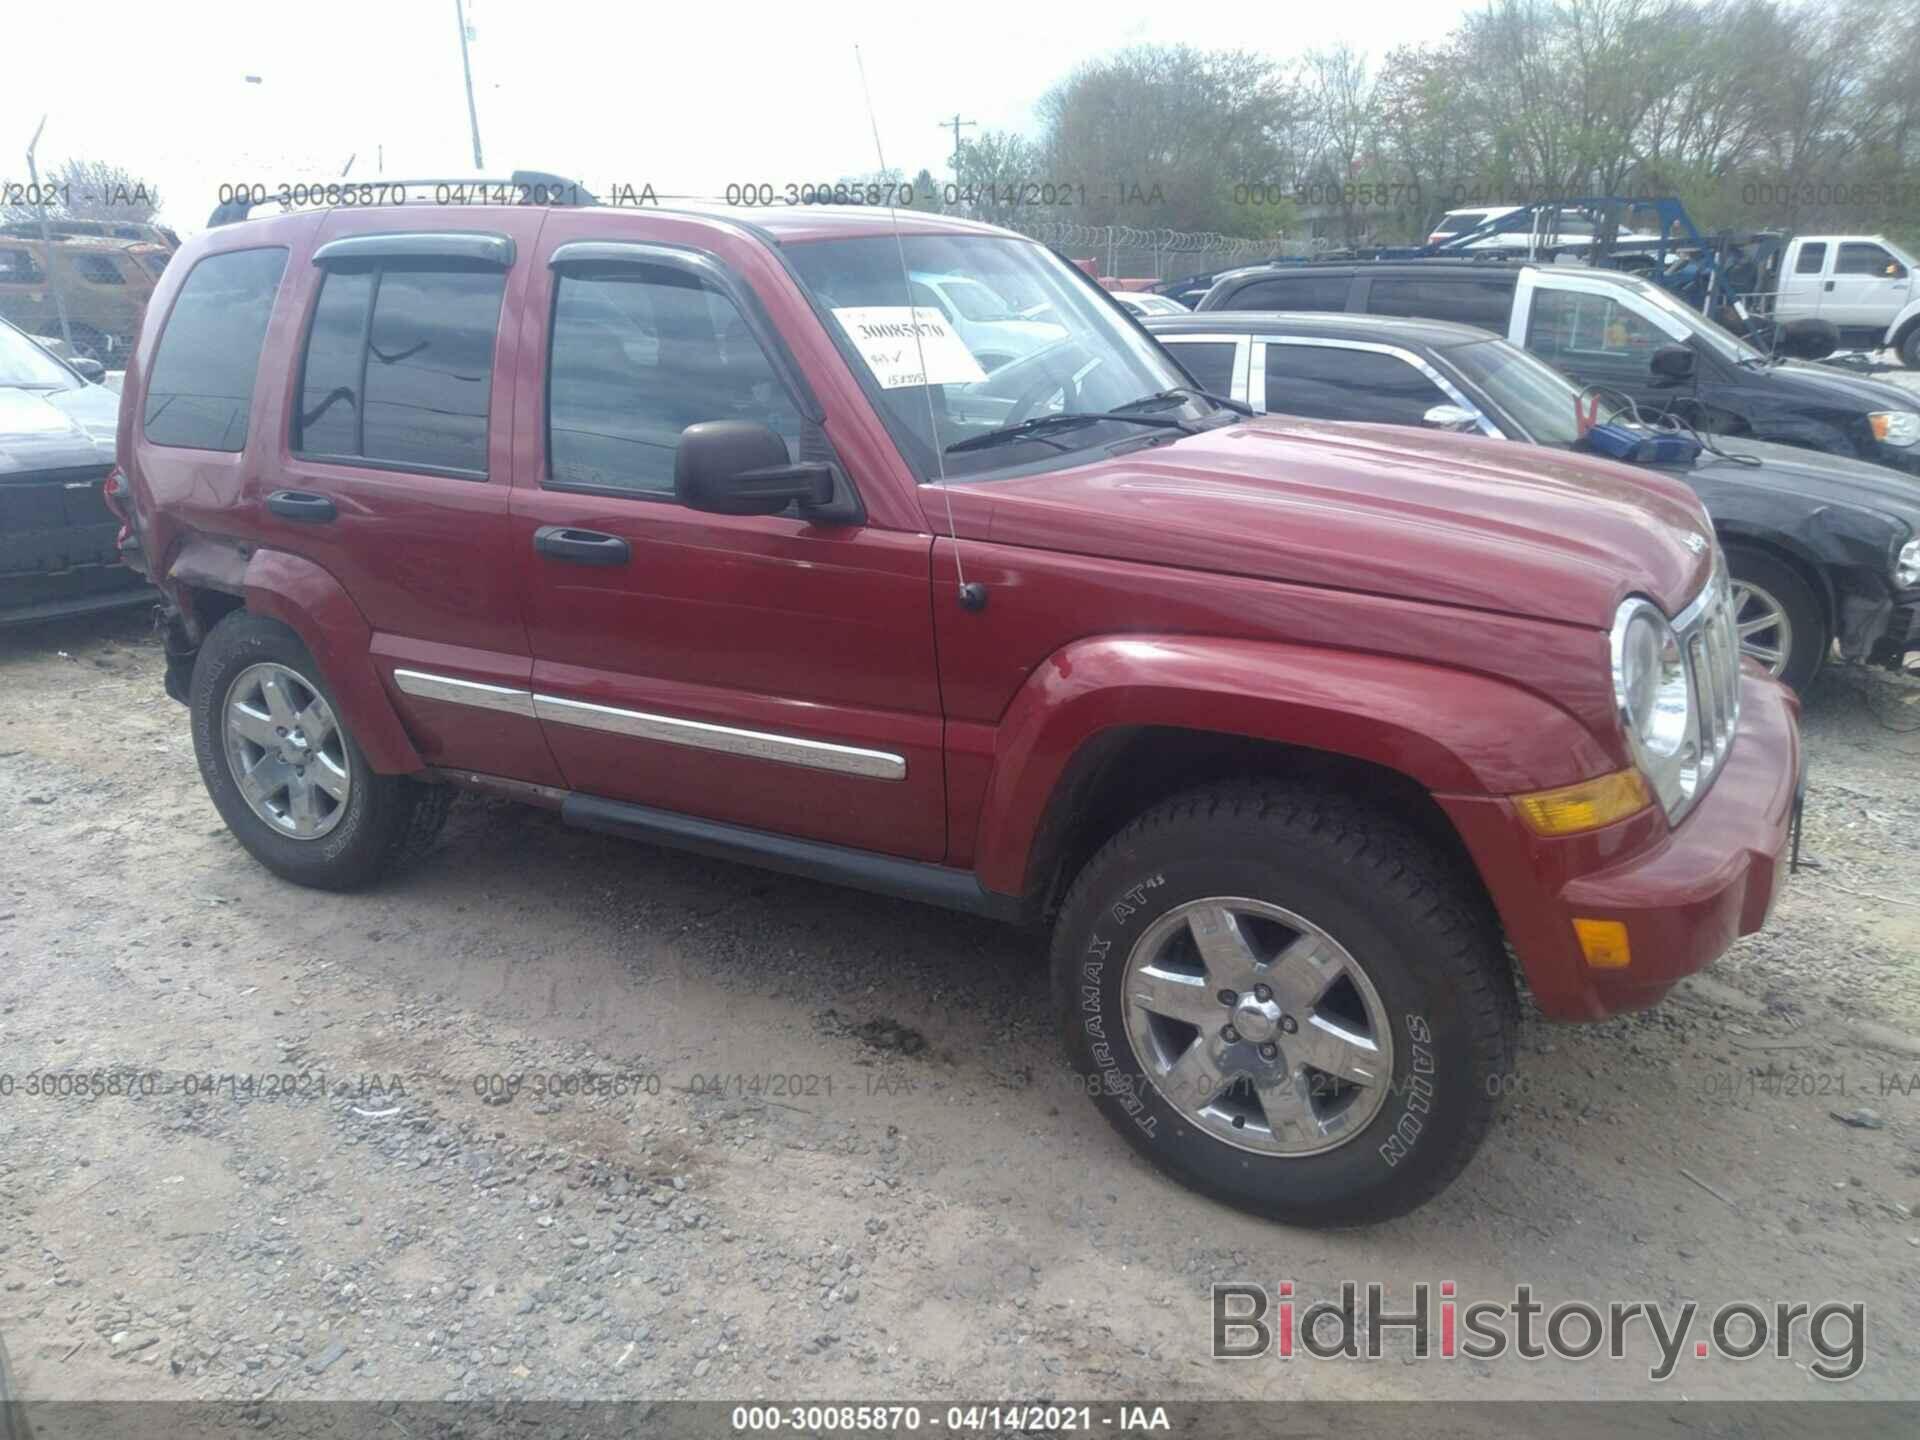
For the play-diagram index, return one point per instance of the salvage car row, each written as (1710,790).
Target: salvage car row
(889,550)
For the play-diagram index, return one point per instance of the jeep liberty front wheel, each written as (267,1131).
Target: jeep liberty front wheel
(285,772)
(1286,1001)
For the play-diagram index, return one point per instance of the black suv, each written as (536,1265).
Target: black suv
(1820,548)
(1619,331)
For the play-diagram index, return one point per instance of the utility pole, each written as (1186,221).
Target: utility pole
(956,125)
(466,67)
(46,237)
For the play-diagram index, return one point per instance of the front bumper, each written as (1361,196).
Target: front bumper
(1684,894)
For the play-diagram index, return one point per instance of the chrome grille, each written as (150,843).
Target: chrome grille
(1706,632)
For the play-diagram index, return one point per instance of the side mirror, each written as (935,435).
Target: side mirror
(1672,362)
(740,467)
(92,371)
(1450,417)
(1806,339)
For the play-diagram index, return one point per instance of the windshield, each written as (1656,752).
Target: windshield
(1081,356)
(975,302)
(24,364)
(1723,342)
(1535,394)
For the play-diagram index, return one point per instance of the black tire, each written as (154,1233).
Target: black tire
(1425,939)
(1811,637)
(1910,348)
(384,821)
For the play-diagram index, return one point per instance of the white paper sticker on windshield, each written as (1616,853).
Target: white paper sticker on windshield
(897,340)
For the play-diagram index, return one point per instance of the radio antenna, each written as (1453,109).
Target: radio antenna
(974,596)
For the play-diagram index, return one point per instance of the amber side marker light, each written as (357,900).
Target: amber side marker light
(1586,806)
(1604,943)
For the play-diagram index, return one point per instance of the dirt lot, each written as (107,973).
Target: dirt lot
(925,1211)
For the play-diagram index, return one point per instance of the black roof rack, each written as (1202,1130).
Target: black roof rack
(536,187)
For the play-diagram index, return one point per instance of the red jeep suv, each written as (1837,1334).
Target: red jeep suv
(886,549)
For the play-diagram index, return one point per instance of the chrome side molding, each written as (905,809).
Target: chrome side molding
(666,729)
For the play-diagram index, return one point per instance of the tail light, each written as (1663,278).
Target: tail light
(118,495)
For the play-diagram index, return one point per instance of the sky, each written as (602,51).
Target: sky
(679,98)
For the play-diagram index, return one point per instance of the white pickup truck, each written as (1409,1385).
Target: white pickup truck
(1864,285)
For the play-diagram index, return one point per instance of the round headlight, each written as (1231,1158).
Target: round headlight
(1906,571)
(1650,680)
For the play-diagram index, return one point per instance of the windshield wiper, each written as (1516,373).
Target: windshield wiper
(1066,419)
(1188,392)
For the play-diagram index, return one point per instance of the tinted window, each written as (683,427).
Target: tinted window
(412,388)
(1329,383)
(100,269)
(1458,222)
(1813,255)
(203,373)
(17,265)
(328,421)
(1210,362)
(1569,323)
(1858,259)
(1294,292)
(638,355)
(1463,299)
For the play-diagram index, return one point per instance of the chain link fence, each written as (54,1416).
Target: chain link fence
(81,287)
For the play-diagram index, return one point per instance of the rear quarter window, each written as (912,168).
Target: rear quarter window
(201,384)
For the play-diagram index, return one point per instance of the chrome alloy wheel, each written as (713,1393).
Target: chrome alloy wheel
(287,753)
(1258,1026)
(1766,632)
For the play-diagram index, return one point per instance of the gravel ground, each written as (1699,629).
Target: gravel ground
(925,1210)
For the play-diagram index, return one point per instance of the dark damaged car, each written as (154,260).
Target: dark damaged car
(1821,548)
(58,538)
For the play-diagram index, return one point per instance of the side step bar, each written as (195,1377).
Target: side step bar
(940,885)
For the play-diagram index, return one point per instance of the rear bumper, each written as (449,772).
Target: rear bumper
(1684,895)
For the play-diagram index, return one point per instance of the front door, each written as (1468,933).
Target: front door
(765,671)
(1595,333)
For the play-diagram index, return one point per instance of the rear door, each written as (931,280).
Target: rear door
(1804,283)
(1594,332)
(766,671)
(390,459)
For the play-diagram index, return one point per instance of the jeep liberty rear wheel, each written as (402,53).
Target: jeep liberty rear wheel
(1287,1001)
(284,771)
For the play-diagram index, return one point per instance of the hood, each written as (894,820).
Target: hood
(1837,387)
(56,429)
(1383,509)
(1817,476)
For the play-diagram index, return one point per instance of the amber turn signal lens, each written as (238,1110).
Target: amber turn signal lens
(1586,806)
(1604,943)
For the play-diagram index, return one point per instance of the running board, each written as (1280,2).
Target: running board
(940,885)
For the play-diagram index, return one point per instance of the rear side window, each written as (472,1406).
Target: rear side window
(203,372)
(100,269)
(1210,362)
(398,369)
(639,354)
(17,265)
(1813,254)
(1463,299)
(1328,382)
(1294,292)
